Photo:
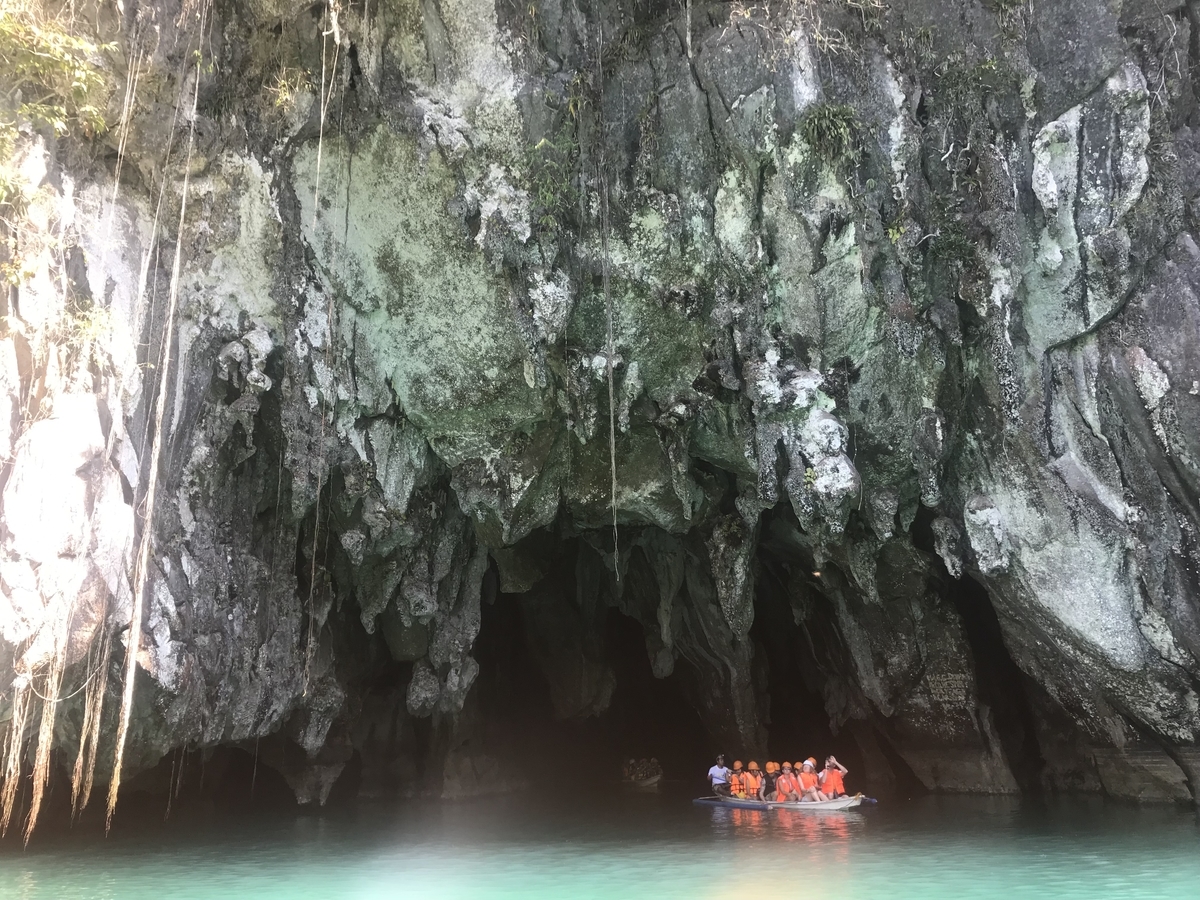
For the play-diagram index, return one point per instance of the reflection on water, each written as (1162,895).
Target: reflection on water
(657,846)
(822,830)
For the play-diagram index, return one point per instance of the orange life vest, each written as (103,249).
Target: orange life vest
(832,782)
(753,782)
(785,784)
(808,780)
(737,783)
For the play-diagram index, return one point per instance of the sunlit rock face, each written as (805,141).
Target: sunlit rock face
(905,362)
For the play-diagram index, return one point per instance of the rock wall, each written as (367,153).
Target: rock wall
(903,303)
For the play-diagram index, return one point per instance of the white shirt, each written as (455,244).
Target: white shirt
(718,775)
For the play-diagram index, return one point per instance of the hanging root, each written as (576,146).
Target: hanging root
(133,75)
(45,737)
(13,750)
(608,306)
(143,560)
(326,96)
(89,735)
(331,18)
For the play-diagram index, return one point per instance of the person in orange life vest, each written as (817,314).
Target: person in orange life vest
(831,776)
(810,784)
(737,780)
(786,786)
(754,782)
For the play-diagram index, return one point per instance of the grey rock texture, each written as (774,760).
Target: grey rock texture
(906,309)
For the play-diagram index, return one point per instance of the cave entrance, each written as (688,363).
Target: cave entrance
(1001,684)
(576,711)
(791,680)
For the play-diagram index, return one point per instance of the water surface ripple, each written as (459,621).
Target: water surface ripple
(657,846)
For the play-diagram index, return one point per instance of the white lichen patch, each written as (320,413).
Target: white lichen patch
(734,218)
(552,298)
(898,139)
(499,199)
(1152,382)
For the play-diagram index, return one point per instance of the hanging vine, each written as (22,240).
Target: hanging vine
(142,565)
(608,304)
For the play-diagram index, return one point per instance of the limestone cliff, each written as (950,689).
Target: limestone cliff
(906,359)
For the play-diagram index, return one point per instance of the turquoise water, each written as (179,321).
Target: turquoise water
(656,846)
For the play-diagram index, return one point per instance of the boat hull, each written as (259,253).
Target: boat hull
(837,805)
(821,805)
(732,803)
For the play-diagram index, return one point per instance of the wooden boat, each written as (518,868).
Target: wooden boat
(840,803)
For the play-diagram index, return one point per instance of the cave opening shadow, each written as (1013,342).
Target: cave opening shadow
(790,682)
(801,660)
(1001,684)
(645,717)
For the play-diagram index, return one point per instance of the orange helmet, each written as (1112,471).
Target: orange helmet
(787,765)
(753,767)
(772,766)
(737,765)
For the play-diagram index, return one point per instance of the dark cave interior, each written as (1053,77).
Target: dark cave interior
(514,714)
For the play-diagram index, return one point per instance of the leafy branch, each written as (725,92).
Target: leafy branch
(49,77)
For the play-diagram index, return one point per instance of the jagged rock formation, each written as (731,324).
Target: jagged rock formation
(907,349)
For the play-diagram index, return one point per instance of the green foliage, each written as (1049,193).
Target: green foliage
(287,83)
(552,172)
(554,159)
(916,47)
(49,77)
(961,87)
(832,132)
(810,477)
(85,323)
(952,249)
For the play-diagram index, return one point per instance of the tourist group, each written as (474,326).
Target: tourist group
(779,783)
